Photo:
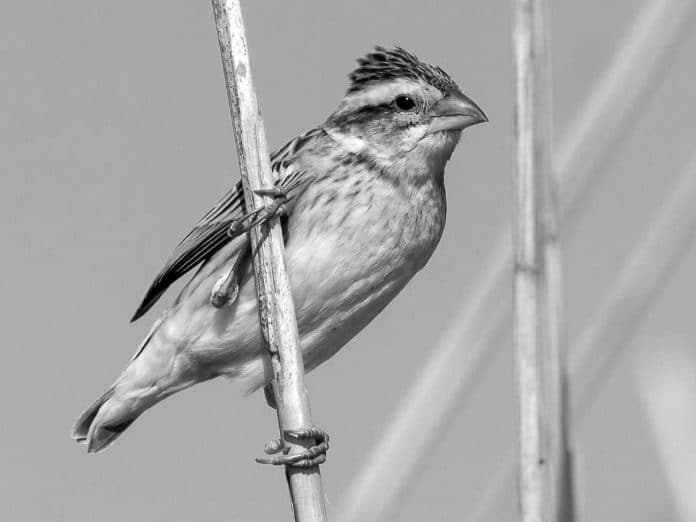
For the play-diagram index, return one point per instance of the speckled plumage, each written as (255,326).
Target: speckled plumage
(366,209)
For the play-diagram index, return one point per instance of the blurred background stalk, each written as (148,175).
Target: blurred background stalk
(558,469)
(666,382)
(536,367)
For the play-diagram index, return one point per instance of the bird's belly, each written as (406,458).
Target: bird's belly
(340,282)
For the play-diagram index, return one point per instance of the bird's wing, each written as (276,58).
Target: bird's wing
(211,232)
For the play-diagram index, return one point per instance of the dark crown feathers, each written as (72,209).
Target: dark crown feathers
(383,65)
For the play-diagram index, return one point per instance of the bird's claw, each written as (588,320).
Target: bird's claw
(307,458)
(261,214)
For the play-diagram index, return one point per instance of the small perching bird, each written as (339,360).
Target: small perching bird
(362,200)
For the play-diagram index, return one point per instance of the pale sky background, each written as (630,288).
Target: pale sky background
(115,137)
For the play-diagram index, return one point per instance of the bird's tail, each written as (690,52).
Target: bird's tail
(109,416)
(104,420)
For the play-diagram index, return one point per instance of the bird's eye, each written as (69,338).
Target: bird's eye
(404,103)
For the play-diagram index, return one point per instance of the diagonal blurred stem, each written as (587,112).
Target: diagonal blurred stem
(595,136)
(615,321)
(666,382)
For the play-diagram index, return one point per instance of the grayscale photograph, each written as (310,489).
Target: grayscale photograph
(385,261)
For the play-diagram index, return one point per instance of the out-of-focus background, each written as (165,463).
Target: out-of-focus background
(115,137)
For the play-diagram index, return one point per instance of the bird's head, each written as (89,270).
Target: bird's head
(402,113)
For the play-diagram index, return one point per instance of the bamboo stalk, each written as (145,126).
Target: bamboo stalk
(529,318)
(276,308)
(595,136)
(607,334)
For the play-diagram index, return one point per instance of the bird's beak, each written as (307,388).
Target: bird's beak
(455,112)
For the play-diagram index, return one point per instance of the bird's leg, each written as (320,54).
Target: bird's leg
(262,214)
(226,288)
(307,458)
(316,453)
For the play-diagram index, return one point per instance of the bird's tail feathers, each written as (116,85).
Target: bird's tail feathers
(104,420)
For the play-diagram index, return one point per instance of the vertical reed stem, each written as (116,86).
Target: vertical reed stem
(559,473)
(534,337)
(276,309)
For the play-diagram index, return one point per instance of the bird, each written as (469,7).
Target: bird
(361,198)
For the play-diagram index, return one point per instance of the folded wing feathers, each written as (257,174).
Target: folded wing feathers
(210,234)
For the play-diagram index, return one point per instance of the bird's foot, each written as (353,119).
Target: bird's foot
(262,214)
(307,458)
